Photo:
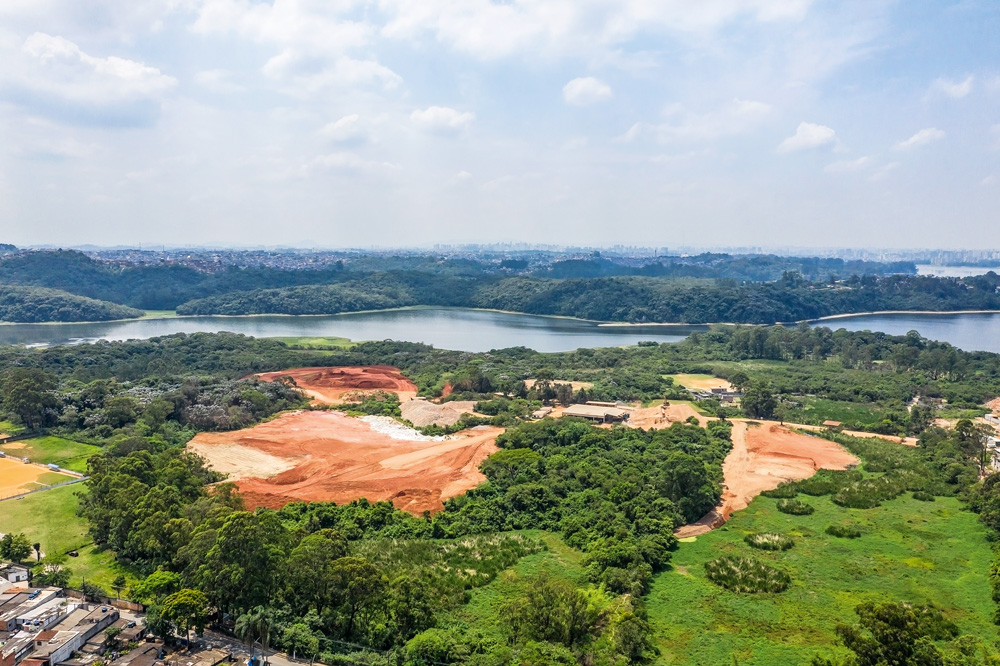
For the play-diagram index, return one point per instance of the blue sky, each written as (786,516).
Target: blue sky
(409,122)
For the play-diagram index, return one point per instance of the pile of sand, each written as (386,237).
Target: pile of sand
(424,413)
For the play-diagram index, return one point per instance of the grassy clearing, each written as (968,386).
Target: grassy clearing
(817,410)
(47,450)
(317,343)
(10,428)
(481,613)
(50,519)
(913,551)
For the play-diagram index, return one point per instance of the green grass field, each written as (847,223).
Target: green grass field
(317,343)
(921,552)
(49,518)
(10,428)
(817,410)
(482,611)
(46,450)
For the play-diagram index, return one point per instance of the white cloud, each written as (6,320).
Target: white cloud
(989,181)
(442,119)
(849,166)
(808,135)
(489,30)
(954,89)
(343,129)
(64,70)
(586,90)
(314,40)
(921,138)
(217,81)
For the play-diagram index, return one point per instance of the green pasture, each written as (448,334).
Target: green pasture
(47,450)
(817,410)
(10,428)
(321,343)
(50,518)
(920,552)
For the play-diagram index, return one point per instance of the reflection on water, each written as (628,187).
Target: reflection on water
(445,328)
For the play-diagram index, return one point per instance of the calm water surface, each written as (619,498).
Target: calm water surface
(465,330)
(971,332)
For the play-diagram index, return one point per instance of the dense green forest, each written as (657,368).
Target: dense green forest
(37,304)
(624,299)
(707,288)
(366,583)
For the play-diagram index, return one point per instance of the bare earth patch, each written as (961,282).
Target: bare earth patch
(424,413)
(329,456)
(333,385)
(762,458)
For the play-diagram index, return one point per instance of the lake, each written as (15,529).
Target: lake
(954,271)
(479,330)
(971,332)
(445,328)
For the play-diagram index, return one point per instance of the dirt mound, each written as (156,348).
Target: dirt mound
(423,413)
(335,385)
(763,457)
(993,404)
(328,456)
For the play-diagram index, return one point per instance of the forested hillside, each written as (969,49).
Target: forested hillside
(36,304)
(707,288)
(622,299)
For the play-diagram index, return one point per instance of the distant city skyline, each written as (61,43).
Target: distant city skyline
(761,123)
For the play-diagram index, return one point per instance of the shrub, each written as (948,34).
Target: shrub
(746,575)
(870,493)
(922,496)
(794,507)
(843,531)
(768,541)
(784,491)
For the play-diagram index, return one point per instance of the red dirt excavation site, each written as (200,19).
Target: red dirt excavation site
(329,456)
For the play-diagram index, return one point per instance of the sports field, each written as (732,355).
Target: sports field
(17,477)
(44,450)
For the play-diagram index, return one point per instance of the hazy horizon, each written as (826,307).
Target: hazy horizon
(392,123)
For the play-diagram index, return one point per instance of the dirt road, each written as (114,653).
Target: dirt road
(764,456)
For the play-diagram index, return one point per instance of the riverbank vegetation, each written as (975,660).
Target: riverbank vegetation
(36,304)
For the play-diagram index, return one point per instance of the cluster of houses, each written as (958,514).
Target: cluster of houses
(49,626)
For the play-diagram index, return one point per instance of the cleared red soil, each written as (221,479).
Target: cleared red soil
(332,385)
(328,456)
(763,457)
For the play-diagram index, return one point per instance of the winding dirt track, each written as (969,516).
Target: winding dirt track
(764,456)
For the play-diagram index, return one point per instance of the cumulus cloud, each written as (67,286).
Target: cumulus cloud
(586,90)
(808,135)
(921,138)
(489,30)
(347,128)
(54,77)
(442,119)
(347,163)
(953,89)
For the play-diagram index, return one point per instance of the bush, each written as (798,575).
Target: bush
(768,541)
(784,491)
(922,496)
(843,531)
(746,575)
(794,507)
(870,493)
